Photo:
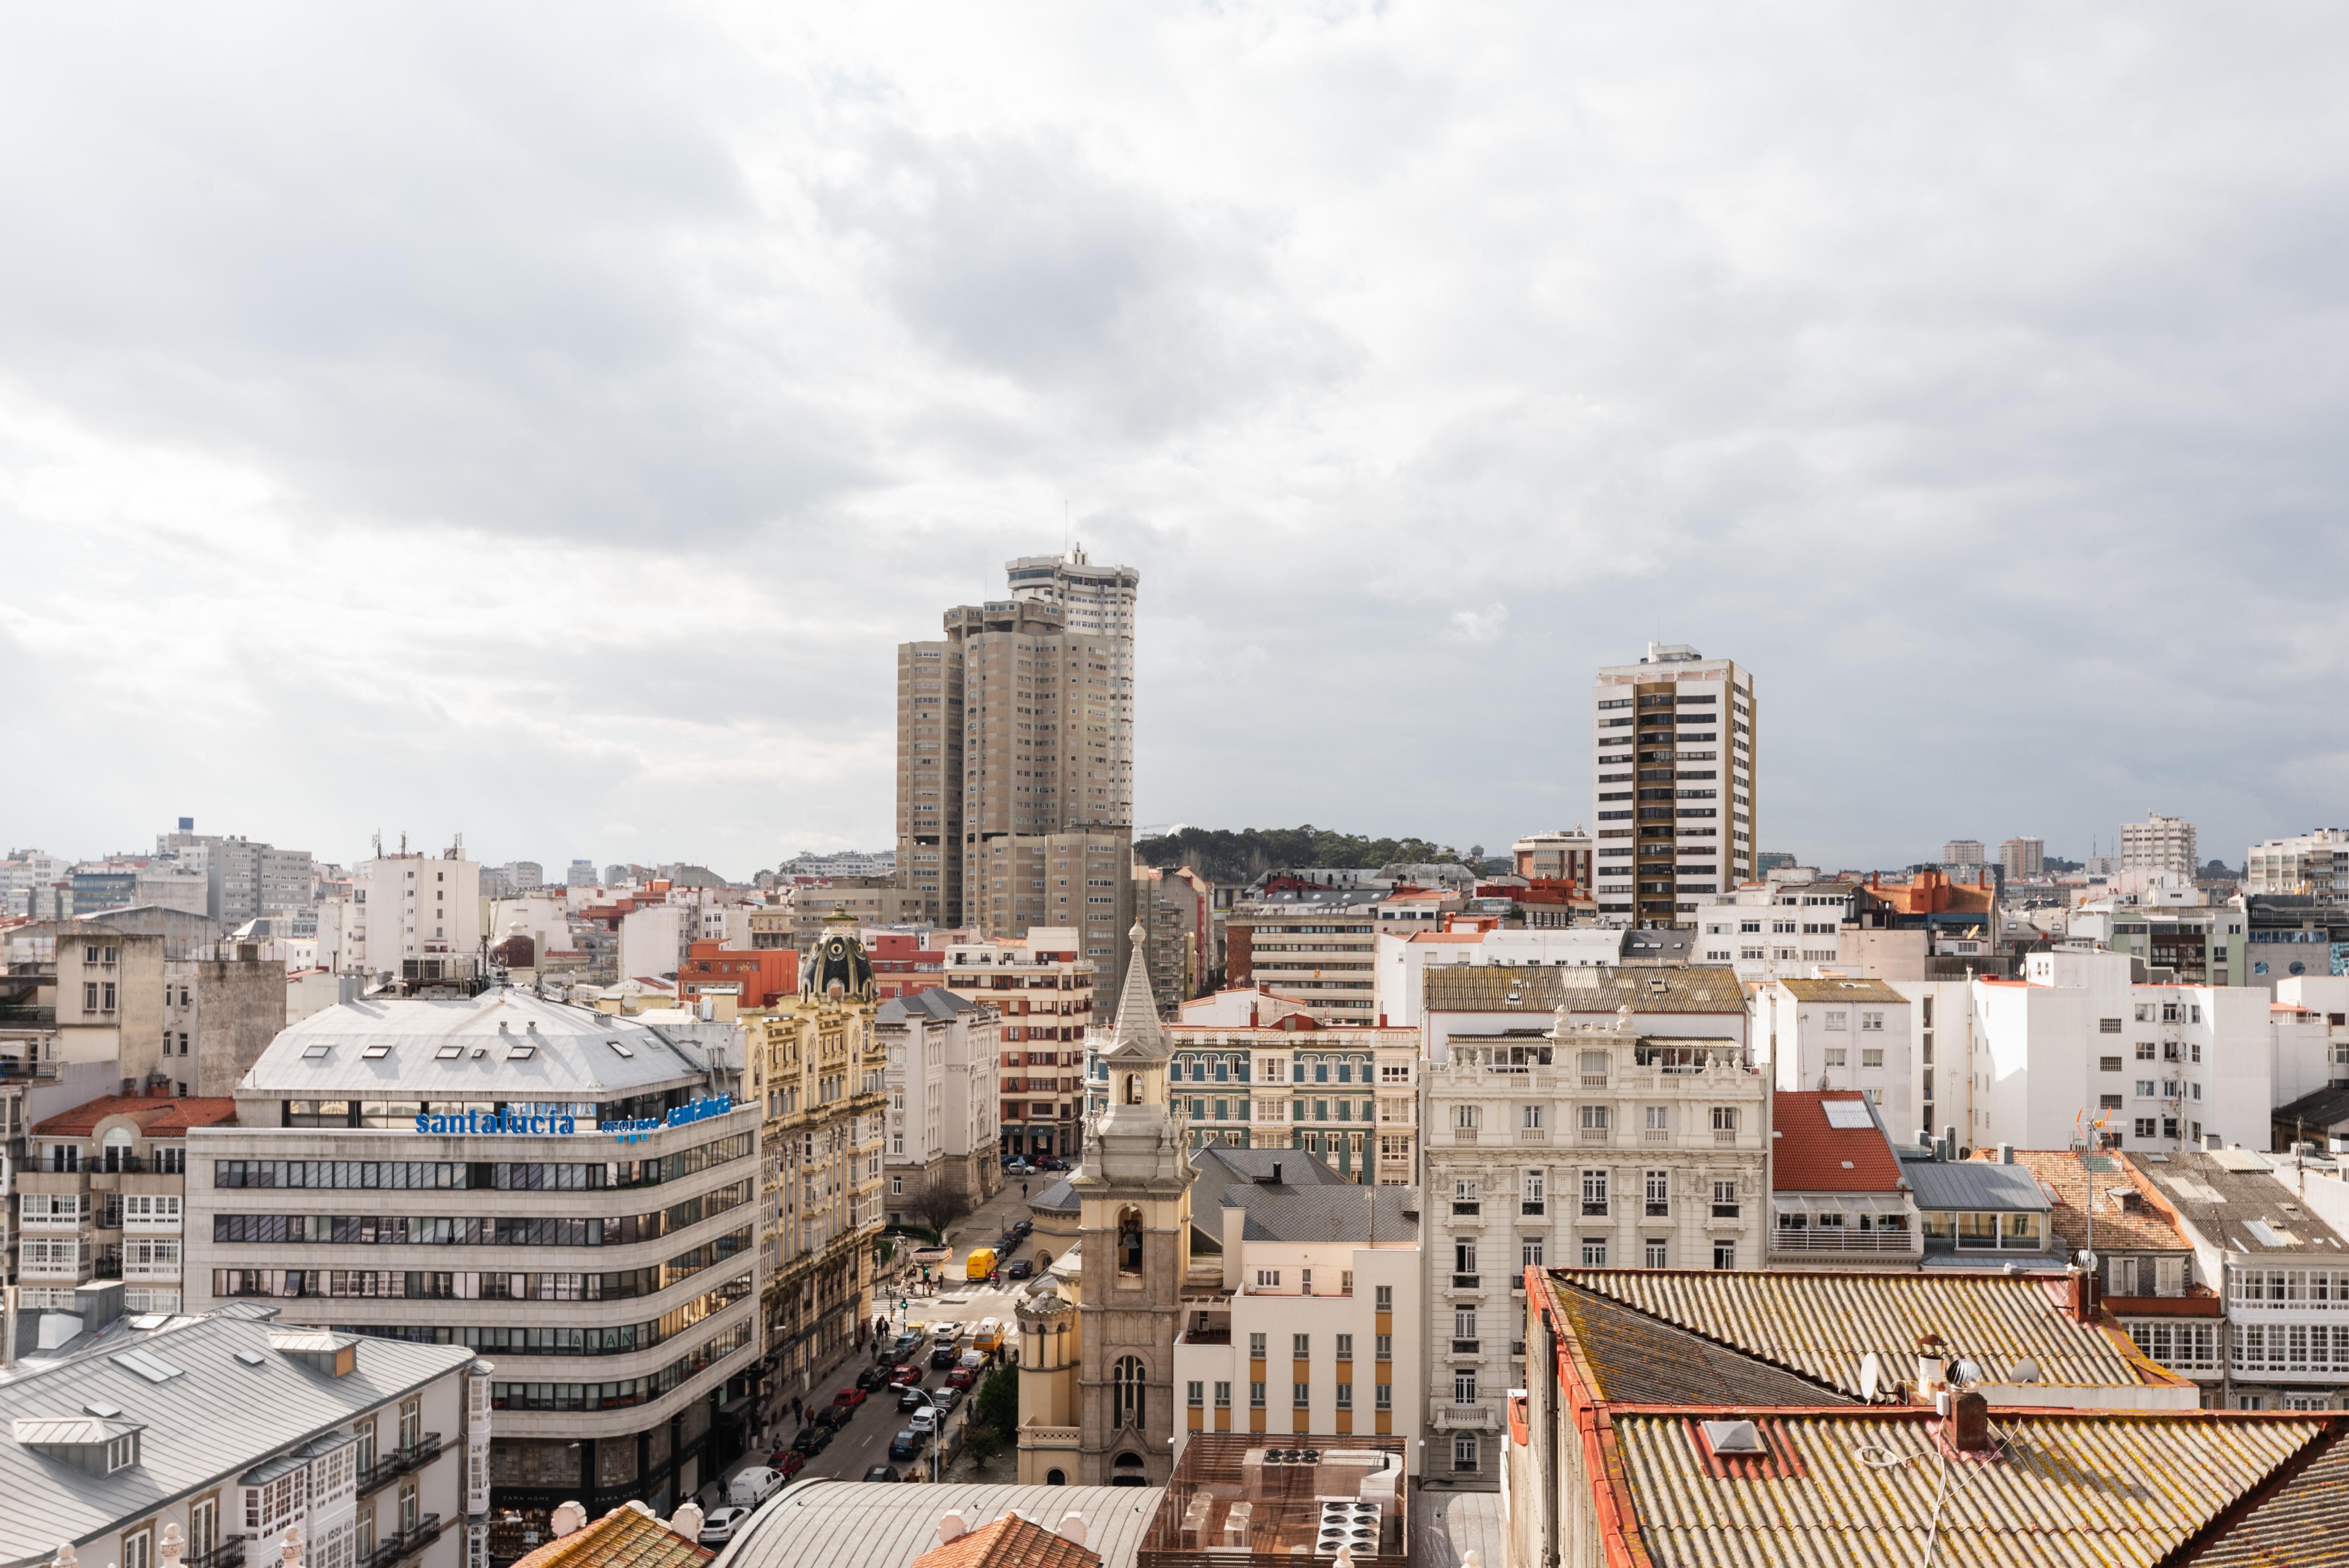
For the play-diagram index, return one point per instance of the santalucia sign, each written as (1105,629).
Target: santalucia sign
(559,1122)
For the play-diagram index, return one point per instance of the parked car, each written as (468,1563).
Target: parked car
(904,1345)
(960,1378)
(719,1528)
(908,1376)
(905,1444)
(944,1399)
(849,1397)
(791,1465)
(829,1416)
(1020,1270)
(1018,1168)
(943,1355)
(1050,1164)
(873,1377)
(913,1399)
(924,1420)
(1022,1227)
(812,1441)
(881,1472)
(751,1487)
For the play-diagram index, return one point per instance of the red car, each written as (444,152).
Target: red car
(849,1397)
(790,1466)
(959,1379)
(906,1378)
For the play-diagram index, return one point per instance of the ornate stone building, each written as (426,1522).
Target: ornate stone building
(1099,1407)
(820,1064)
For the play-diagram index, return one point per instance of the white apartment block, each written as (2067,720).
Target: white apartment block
(941,1081)
(653,941)
(225,1439)
(2158,844)
(1672,772)
(1768,930)
(408,905)
(1961,852)
(1317,944)
(2074,1041)
(1403,960)
(2315,862)
(1839,1033)
(1600,1145)
(1314,1326)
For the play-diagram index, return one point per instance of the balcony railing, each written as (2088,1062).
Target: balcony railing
(1533,1135)
(151,1270)
(15,1069)
(389,1468)
(1466,1282)
(229,1553)
(405,1543)
(1468,1207)
(1724,1135)
(1830,1240)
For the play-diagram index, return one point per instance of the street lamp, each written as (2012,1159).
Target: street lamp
(938,1432)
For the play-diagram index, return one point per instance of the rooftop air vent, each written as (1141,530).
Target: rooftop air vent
(252,1359)
(332,1354)
(154,1369)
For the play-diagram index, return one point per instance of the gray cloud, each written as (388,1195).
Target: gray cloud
(543,421)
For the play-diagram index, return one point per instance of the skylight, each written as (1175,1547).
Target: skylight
(447,1052)
(521,1053)
(252,1357)
(624,1050)
(314,1053)
(375,1053)
(101,1410)
(1850,1115)
(1734,1438)
(154,1369)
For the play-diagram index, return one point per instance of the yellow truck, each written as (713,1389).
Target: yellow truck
(981,1263)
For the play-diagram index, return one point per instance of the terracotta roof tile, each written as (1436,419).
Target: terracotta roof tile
(158,1115)
(1809,1155)
(1010,1542)
(2061,1174)
(628,1537)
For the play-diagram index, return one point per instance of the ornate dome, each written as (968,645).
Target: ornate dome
(838,960)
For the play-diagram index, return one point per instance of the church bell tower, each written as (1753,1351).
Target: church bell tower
(1134,1201)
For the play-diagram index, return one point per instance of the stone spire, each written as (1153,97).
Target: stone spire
(1138,1035)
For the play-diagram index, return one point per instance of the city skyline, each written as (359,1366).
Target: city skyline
(551,450)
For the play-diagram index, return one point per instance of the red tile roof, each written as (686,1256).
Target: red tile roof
(1010,1542)
(628,1537)
(158,1115)
(1809,1156)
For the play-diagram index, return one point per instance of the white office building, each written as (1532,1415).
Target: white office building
(561,1190)
(2314,863)
(1773,930)
(1673,763)
(941,1081)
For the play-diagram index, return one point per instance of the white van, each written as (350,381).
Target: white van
(751,1487)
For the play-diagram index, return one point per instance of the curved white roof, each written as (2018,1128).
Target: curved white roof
(873,1524)
(504,1044)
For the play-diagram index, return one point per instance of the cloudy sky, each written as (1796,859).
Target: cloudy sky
(539,422)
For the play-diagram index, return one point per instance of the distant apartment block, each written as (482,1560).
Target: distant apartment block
(1674,781)
(2314,863)
(1962,852)
(2024,857)
(2158,844)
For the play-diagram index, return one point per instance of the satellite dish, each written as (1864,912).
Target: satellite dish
(2023,1371)
(1871,1376)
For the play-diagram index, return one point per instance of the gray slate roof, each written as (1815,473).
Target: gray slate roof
(850,1524)
(1220,1164)
(571,1060)
(1350,1214)
(934,1002)
(2222,1196)
(1975,1184)
(209,1425)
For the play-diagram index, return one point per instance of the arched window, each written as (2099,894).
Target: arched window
(1125,1393)
(1056,1478)
(115,1146)
(1129,1240)
(1126,1469)
(1134,1089)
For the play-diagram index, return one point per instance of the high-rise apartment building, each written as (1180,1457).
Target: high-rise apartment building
(411,905)
(1015,760)
(2024,857)
(2158,844)
(1962,852)
(1674,771)
(243,879)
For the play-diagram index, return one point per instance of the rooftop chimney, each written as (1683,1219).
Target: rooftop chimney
(1072,1527)
(1968,1427)
(2006,1154)
(1274,1180)
(951,1526)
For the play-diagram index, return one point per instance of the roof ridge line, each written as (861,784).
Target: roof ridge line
(1769,1361)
